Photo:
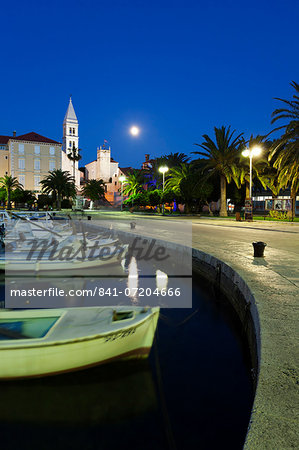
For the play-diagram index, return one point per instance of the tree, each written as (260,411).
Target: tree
(154,177)
(168,196)
(140,199)
(94,189)
(9,183)
(222,157)
(175,159)
(285,151)
(134,182)
(59,184)
(187,185)
(74,155)
(23,196)
(44,200)
(154,197)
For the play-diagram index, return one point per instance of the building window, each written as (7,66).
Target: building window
(37,164)
(37,149)
(70,144)
(6,157)
(36,180)
(51,165)
(115,182)
(22,180)
(21,163)
(74,131)
(70,131)
(52,150)
(21,149)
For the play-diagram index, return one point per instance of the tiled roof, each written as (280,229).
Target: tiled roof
(34,137)
(4,139)
(126,170)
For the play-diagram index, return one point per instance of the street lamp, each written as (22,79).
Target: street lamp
(163,170)
(255,151)
(122,179)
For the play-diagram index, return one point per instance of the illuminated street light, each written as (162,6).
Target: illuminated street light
(254,151)
(122,179)
(163,170)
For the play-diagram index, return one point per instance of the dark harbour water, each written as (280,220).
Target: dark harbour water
(194,392)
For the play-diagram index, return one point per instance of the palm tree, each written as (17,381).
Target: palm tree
(154,177)
(175,159)
(285,150)
(186,184)
(94,189)
(222,157)
(9,183)
(134,182)
(59,184)
(74,155)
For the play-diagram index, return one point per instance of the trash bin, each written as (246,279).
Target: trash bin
(259,248)
(88,217)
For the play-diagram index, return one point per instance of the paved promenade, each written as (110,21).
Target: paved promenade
(274,282)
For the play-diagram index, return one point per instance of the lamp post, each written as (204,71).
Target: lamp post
(122,179)
(163,170)
(255,151)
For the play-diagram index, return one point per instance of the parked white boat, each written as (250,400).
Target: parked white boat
(18,263)
(44,342)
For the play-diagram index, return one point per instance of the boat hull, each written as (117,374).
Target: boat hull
(42,357)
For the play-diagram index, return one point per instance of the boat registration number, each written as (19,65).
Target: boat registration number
(120,335)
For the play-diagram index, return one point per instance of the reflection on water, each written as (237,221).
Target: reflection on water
(161,280)
(194,390)
(133,280)
(105,394)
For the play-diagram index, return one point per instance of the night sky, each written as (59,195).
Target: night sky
(175,69)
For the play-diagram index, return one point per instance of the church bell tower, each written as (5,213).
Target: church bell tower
(70,130)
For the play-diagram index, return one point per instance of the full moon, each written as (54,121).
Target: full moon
(134,131)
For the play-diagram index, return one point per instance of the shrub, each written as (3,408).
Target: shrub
(280,215)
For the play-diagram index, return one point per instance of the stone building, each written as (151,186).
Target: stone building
(29,157)
(105,168)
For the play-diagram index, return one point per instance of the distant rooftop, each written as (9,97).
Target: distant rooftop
(4,139)
(34,137)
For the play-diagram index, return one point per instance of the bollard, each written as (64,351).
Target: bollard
(133,225)
(259,248)
(88,217)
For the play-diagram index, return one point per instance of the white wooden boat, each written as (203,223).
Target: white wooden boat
(44,342)
(61,268)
